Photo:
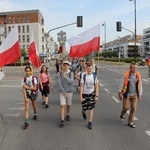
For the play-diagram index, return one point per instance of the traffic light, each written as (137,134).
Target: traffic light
(118,25)
(79,21)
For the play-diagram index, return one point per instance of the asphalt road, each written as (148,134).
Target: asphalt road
(108,132)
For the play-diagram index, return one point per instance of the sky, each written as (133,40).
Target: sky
(61,12)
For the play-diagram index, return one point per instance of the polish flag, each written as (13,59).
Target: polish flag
(85,43)
(10,48)
(33,54)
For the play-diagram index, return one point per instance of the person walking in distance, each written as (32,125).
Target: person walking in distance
(45,80)
(29,87)
(89,93)
(148,64)
(65,87)
(130,92)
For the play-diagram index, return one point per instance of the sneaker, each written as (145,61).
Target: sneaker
(25,126)
(90,125)
(84,115)
(68,118)
(131,125)
(43,103)
(122,118)
(46,106)
(35,117)
(62,123)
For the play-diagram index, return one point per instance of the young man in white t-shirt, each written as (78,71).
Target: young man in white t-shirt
(89,92)
(29,87)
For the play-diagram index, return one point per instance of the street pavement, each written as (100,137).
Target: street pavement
(108,132)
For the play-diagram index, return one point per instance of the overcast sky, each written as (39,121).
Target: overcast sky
(60,12)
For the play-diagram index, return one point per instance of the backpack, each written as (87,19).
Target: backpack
(94,77)
(35,91)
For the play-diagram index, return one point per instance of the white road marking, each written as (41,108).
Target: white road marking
(148,132)
(115,99)
(118,72)
(106,90)
(9,86)
(144,80)
(20,103)
(17,108)
(12,115)
(101,84)
(128,112)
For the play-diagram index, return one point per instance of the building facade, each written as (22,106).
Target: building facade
(27,21)
(146,42)
(125,45)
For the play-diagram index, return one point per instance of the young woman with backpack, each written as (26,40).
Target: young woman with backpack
(29,88)
(44,79)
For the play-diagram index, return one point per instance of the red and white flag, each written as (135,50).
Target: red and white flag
(33,54)
(10,49)
(85,43)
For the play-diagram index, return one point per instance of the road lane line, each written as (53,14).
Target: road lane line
(17,108)
(128,112)
(148,132)
(101,84)
(106,90)
(115,99)
(12,115)
(144,80)
(9,86)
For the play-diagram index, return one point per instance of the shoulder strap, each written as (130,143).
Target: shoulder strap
(84,77)
(25,79)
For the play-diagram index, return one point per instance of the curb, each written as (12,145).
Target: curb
(1,129)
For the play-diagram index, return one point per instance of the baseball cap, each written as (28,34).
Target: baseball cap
(66,62)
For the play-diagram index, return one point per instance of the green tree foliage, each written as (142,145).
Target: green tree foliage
(23,52)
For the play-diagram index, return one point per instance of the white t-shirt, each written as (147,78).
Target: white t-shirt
(89,83)
(28,82)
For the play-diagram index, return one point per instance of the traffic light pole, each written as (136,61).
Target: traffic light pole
(61,27)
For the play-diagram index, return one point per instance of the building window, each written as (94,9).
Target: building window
(9,29)
(24,47)
(43,48)
(8,20)
(42,39)
(19,19)
(13,19)
(23,19)
(23,38)
(27,47)
(23,29)
(28,40)
(27,28)
(19,29)
(19,37)
(28,19)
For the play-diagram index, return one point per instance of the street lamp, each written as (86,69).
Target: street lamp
(135,28)
(104,24)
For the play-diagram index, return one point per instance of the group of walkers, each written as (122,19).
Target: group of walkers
(130,89)
(67,71)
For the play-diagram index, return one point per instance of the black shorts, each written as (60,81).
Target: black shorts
(88,101)
(32,96)
(46,90)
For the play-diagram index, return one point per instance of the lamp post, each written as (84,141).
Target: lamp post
(104,24)
(135,28)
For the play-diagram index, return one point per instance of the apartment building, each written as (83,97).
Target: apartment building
(146,42)
(28,21)
(125,45)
